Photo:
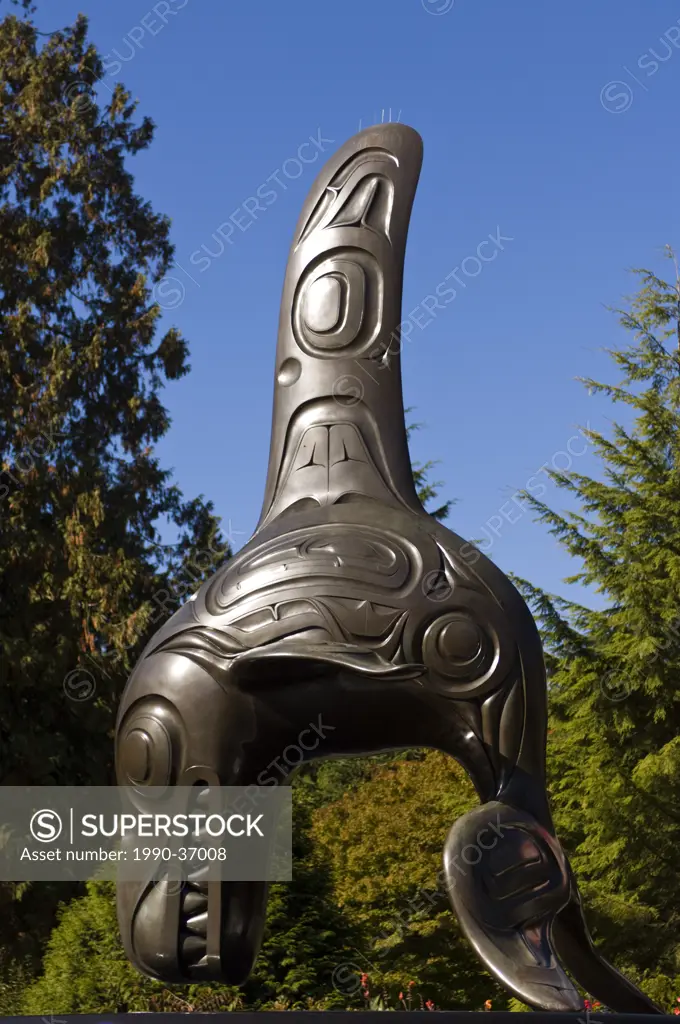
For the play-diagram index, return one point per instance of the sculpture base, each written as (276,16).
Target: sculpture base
(322,1017)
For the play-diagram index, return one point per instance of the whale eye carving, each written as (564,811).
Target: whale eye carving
(338,307)
(149,742)
(138,755)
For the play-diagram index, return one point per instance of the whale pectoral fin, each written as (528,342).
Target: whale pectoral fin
(296,659)
(506,893)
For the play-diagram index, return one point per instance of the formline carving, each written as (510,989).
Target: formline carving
(352,603)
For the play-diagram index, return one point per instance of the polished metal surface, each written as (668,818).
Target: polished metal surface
(353,614)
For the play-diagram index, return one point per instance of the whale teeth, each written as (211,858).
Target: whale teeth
(201,797)
(198,924)
(198,875)
(192,948)
(194,903)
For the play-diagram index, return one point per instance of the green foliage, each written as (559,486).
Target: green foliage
(516,1006)
(85,969)
(81,371)
(84,961)
(15,975)
(84,579)
(82,495)
(383,840)
(306,935)
(365,898)
(614,693)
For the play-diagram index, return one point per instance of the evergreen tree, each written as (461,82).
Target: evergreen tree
(427,489)
(85,969)
(311,944)
(82,494)
(83,578)
(614,672)
(384,841)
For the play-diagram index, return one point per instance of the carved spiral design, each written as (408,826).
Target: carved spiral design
(457,647)
(468,648)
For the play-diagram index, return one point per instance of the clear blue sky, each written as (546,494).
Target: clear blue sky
(522,131)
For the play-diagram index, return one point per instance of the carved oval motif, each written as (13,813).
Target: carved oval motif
(322,303)
(338,306)
(493,890)
(148,745)
(289,372)
(137,755)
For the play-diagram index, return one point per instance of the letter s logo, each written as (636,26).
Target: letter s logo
(45,826)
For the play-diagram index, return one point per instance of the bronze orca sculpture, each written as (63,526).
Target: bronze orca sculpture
(352,603)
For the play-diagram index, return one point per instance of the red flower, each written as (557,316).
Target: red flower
(676,1011)
(411,984)
(364,980)
(401,995)
(586,1003)
(429,1004)
(487,1004)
